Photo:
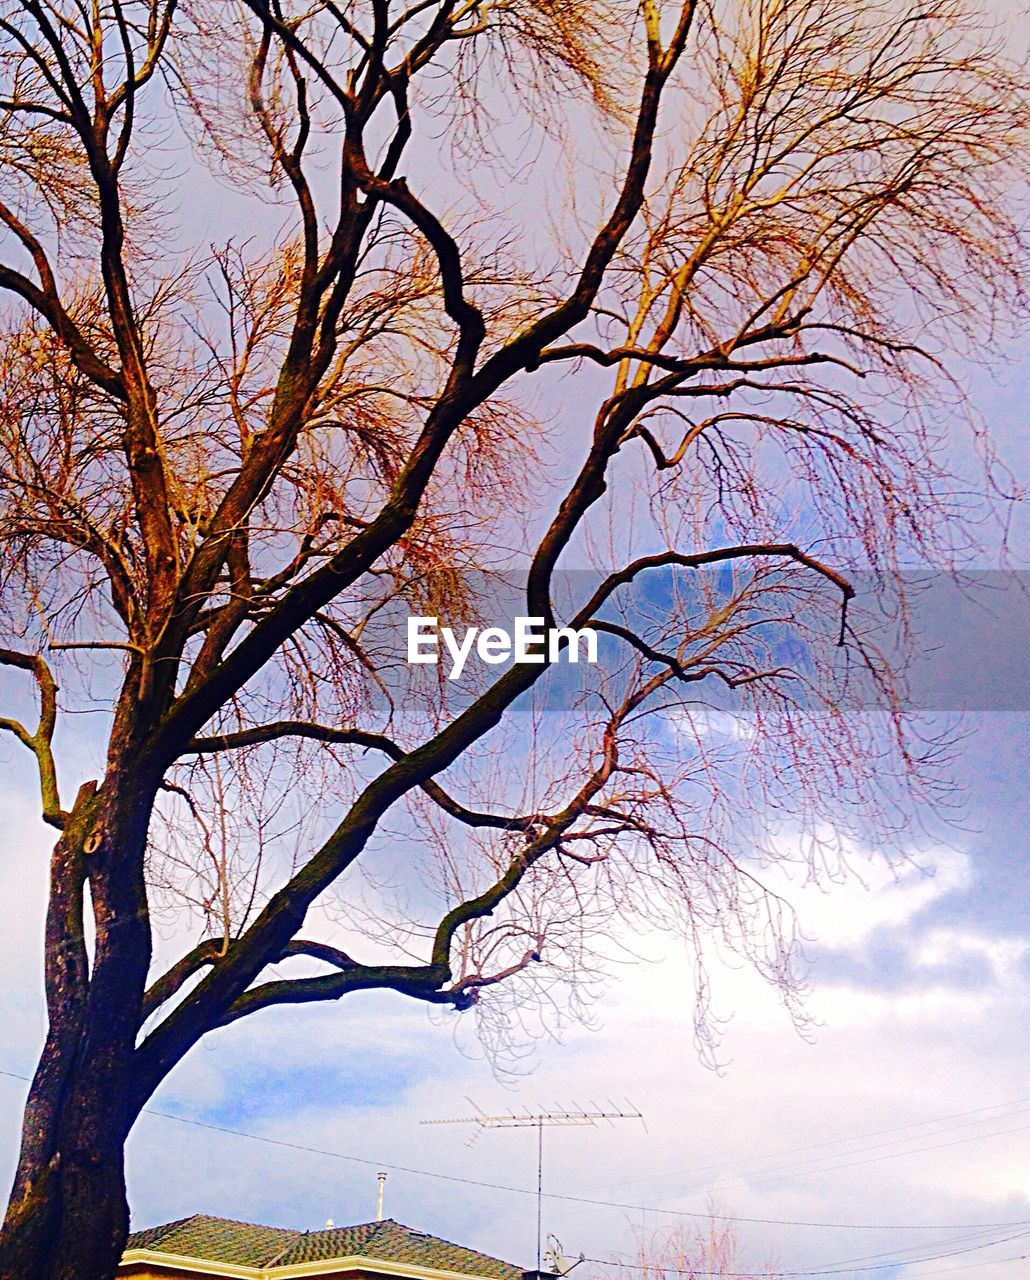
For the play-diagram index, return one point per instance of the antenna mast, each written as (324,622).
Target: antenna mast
(539,1120)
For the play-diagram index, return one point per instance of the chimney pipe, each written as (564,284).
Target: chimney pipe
(379,1199)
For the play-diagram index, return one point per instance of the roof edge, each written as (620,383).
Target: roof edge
(293,1271)
(188,1262)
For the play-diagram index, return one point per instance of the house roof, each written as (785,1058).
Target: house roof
(246,1244)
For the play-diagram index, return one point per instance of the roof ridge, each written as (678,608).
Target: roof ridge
(236,1222)
(371,1222)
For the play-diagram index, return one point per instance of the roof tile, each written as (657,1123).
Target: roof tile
(215,1240)
(223,1240)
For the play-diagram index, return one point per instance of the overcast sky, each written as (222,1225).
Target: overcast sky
(905,1111)
(907,1107)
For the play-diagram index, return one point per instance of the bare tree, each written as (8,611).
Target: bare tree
(409,372)
(710,1250)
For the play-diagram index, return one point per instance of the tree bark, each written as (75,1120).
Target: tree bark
(70,1220)
(68,1216)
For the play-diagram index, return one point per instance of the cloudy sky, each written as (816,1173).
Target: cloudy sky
(892,1140)
(900,1123)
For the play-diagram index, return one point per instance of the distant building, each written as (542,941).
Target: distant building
(203,1248)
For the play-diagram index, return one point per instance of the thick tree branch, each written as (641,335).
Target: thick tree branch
(46,302)
(40,743)
(462,394)
(171,982)
(285,912)
(422,982)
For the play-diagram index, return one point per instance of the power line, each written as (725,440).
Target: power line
(946,1249)
(830,1269)
(782,1275)
(555,1195)
(1020,1105)
(972,1266)
(775,1177)
(762,1178)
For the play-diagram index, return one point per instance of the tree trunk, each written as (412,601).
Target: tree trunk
(68,1218)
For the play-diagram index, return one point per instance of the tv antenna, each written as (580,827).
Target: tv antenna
(539,1120)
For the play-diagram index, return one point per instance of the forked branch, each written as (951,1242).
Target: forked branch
(39,742)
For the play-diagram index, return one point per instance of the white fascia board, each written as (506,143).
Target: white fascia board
(199,1266)
(296,1271)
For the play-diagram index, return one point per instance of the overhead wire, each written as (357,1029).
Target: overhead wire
(1017,1106)
(779,1176)
(563,1197)
(785,1275)
(875,1262)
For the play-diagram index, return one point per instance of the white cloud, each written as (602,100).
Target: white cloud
(359,1077)
(877,895)
(1004,957)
